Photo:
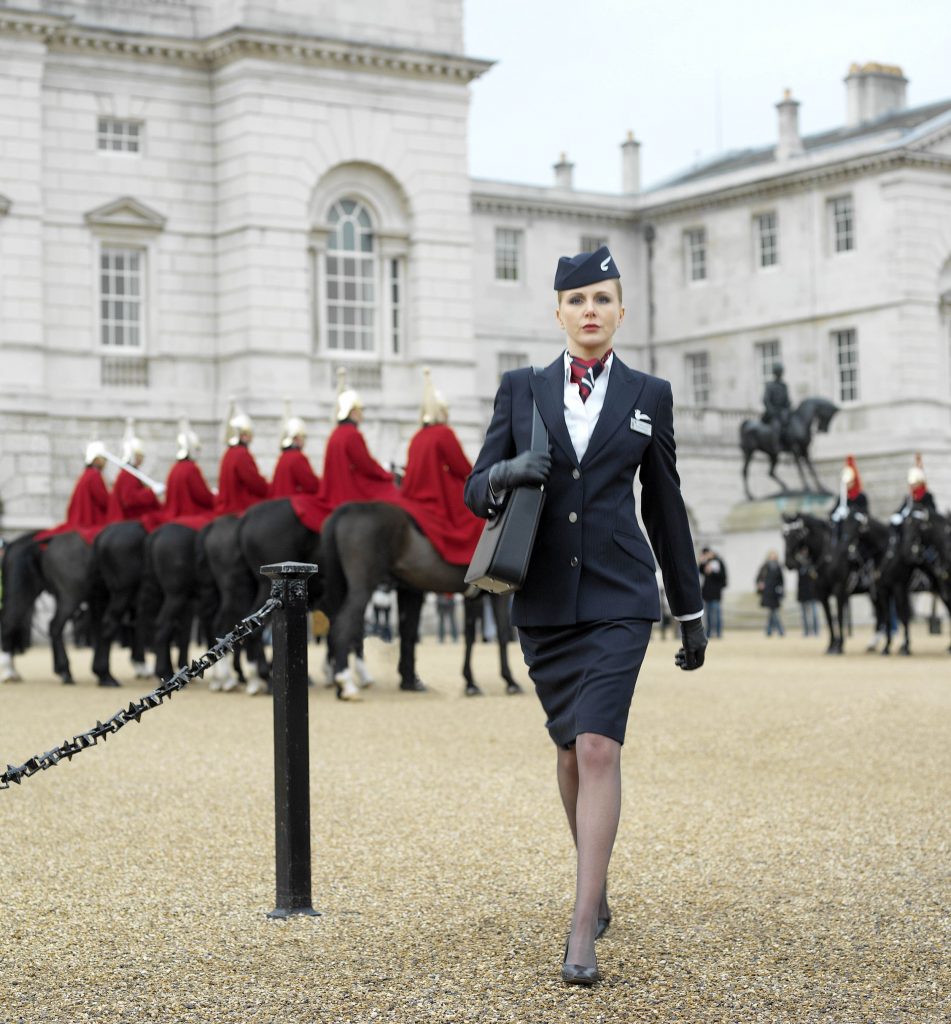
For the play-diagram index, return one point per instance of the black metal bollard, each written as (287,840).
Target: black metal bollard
(291,747)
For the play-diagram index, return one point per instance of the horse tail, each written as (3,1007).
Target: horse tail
(331,569)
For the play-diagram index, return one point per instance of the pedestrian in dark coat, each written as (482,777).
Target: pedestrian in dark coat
(712,584)
(584,614)
(770,584)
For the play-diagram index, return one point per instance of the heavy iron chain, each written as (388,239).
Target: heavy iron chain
(102,730)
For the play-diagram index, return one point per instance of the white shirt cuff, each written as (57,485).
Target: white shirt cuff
(687,618)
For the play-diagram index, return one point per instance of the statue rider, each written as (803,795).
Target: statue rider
(777,406)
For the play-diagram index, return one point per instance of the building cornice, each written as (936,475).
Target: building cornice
(4,205)
(62,35)
(612,209)
(794,181)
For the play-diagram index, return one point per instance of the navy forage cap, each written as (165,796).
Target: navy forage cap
(585,268)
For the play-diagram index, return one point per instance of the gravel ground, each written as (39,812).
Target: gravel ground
(783,853)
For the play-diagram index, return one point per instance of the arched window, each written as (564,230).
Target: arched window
(351,278)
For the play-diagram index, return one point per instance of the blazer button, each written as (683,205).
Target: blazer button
(576,474)
(574,561)
(572,517)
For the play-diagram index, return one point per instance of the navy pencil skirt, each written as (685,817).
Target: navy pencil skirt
(585,674)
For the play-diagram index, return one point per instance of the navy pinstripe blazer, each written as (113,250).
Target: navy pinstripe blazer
(591,561)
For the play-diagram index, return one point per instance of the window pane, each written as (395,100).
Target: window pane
(350,293)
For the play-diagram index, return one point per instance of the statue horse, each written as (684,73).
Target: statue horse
(756,436)
(365,543)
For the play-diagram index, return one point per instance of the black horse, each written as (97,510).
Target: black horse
(363,544)
(811,545)
(922,545)
(175,591)
(796,437)
(22,583)
(119,559)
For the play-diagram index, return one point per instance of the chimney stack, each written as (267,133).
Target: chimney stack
(873,90)
(630,165)
(790,141)
(563,170)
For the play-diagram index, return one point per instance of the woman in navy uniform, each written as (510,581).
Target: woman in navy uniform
(584,614)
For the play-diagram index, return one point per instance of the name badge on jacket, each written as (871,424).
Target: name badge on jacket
(641,422)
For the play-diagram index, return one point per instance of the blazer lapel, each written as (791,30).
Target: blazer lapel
(548,388)
(624,389)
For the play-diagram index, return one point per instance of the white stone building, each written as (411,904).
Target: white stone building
(211,198)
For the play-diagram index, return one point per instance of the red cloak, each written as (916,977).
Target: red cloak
(187,495)
(130,498)
(240,484)
(88,508)
(293,475)
(436,471)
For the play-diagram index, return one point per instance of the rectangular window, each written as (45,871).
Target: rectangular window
(846,348)
(842,222)
(396,307)
(121,279)
(768,353)
(767,240)
(698,378)
(695,254)
(591,243)
(351,302)
(119,136)
(508,244)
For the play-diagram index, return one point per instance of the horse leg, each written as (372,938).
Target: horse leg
(500,607)
(409,602)
(773,459)
(169,616)
(748,457)
(802,474)
(118,602)
(62,615)
(470,615)
(346,631)
(830,622)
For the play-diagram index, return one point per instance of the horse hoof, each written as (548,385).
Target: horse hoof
(905,652)
(886,652)
(513,688)
(141,670)
(109,681)
(11,677)
(67,679)
(364,676)
(472,690)
(347,690)
(214,684)
(256,685)
(230,684)
(415,685)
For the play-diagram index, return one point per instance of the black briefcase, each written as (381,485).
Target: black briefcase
(501,557)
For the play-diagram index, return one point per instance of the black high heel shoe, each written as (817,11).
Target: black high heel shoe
(603,923)
(575,974)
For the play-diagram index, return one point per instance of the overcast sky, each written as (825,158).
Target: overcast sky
(689,78)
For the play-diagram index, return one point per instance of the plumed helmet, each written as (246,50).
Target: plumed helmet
(435,408)
(347,401)
(916,475)
(294,427)
(187,440)
(848,474)
(236,423)
(95,450)
(131,445)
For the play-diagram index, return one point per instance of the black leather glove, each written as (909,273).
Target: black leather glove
(690,656)
(528,468)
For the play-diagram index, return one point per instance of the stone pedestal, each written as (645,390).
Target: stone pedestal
(750,530)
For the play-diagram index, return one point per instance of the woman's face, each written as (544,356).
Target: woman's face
(590,316)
